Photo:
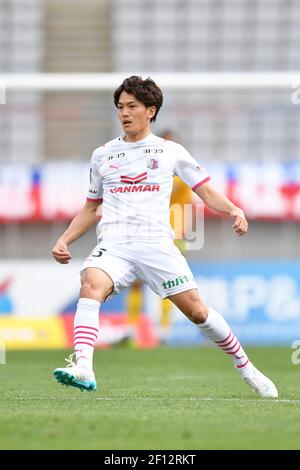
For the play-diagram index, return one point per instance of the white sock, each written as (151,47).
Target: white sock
(218,330)
(86,329)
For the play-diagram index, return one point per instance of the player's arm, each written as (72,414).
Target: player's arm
(85,218)
(219,203)
(197,178)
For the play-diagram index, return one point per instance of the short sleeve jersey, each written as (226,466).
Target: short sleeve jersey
(134,180)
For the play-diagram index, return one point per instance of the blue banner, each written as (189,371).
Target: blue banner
(260,301)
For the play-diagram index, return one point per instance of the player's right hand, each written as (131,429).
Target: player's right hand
(61,253)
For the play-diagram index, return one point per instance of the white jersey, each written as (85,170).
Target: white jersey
(134,180)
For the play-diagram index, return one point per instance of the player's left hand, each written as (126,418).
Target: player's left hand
(240,224)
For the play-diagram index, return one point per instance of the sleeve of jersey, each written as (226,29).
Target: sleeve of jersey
(95,191)
(189,170)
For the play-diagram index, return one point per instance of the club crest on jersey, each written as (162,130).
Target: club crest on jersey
(152,163)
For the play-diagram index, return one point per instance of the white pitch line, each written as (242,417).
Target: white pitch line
(56,399)
(248,400)
(242,400)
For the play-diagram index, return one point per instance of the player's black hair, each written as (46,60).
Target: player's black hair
(145,91)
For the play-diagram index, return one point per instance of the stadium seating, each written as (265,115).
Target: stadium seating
(136,36)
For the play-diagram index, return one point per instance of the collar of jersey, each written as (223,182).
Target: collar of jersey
(138,142)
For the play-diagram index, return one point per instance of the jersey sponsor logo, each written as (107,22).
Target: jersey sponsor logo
(177,281)
(136,189)
(115,156)
(135,179)
(93,191)
(153,151)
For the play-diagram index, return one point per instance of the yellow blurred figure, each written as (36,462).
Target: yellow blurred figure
(181,195)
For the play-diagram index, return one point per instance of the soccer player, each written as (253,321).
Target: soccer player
(181,195)
(132,175)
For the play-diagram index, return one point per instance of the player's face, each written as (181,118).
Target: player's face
(134,116)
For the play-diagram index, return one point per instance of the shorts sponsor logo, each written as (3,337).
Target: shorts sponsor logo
(177,281)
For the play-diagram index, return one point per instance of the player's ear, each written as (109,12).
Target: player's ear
(151,111)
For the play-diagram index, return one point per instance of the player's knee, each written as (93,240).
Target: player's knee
(95,284)
(91,289)
(88,291)
(199,313)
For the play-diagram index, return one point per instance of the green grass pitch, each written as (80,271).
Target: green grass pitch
(168,398)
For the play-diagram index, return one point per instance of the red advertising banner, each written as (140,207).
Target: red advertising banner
(114,330)
(56,191)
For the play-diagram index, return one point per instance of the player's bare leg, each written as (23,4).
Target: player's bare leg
(96,285)
(217,329)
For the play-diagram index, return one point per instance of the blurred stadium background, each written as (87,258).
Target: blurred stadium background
(247,137)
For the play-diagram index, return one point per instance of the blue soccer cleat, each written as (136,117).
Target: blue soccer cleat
(77,376)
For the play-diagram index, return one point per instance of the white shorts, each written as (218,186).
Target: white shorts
(158,263)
